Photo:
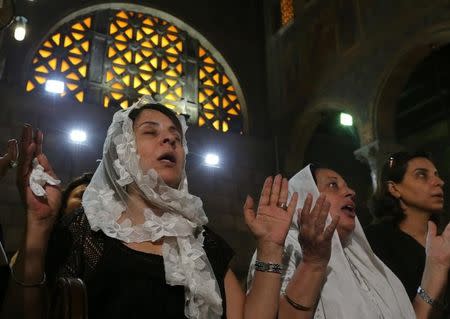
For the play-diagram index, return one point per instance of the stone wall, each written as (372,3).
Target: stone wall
(352,56)
(341,55)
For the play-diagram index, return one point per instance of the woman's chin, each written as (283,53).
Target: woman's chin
(172,181)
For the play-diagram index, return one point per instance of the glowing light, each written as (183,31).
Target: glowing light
(212,159)
(346,119)
(54,86)
(78,136)
(20,30)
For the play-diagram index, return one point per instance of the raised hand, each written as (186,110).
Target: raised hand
(438,247)
(9,159)
(39,209)
(314,237)
(270,224)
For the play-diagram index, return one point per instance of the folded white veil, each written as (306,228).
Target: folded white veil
(358,284)
(106,197)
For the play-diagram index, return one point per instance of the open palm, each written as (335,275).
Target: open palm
(314,236)
(270,224)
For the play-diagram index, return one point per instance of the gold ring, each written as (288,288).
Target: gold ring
(283,206)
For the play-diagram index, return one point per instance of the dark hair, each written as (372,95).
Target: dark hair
(315,167)
(160,108)
(80,180)
(385,206)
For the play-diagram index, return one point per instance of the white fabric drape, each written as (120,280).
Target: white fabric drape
(180,225)
(358,284)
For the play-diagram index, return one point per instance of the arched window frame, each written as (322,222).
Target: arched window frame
(190,104)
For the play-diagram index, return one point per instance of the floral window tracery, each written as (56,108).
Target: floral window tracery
(64,56)
(136,54)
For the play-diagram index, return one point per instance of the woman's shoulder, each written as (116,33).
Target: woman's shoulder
(380,232)
(74,246)
(76,218)
(214,243)
(380,227)
(217,249)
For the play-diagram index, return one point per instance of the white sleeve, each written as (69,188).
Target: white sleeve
(291,257)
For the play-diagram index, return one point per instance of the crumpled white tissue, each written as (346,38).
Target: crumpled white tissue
(38,178)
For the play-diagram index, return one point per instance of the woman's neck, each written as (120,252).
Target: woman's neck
(415,224)
(136,205)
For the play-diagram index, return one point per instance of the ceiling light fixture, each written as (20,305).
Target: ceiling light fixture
(20,28)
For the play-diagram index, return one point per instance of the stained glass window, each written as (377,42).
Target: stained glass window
(111,57)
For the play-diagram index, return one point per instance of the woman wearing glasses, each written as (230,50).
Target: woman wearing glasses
(408,201)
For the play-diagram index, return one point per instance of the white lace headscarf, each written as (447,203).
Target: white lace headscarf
(179,225)
(358,284)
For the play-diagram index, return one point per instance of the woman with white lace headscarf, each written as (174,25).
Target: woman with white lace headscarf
(140,242)
(335,274)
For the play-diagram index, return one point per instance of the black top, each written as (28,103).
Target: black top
(122,282)
(401,253)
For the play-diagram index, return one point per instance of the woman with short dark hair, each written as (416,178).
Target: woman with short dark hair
(408,202)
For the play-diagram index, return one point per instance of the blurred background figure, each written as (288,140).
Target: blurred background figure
(73,193)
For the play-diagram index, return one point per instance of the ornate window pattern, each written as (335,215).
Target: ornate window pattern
(111,57)
(217,98)
(64,56)
(144,59)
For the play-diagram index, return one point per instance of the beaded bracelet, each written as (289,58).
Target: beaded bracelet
(268,267)
(27,285)
(432,302)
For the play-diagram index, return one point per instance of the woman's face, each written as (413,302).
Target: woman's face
(74,199)
(421,188)
(159,144)
(341,198)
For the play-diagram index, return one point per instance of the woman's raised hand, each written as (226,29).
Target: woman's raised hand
(40,210)
(314,237)
(9,159)
(270,223)
(438,247)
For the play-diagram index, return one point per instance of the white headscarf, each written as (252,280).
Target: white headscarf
(105,199)
(358,284)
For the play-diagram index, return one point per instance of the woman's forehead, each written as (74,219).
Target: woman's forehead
(155,115)
(420,162)
(155,118)
(326,173)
